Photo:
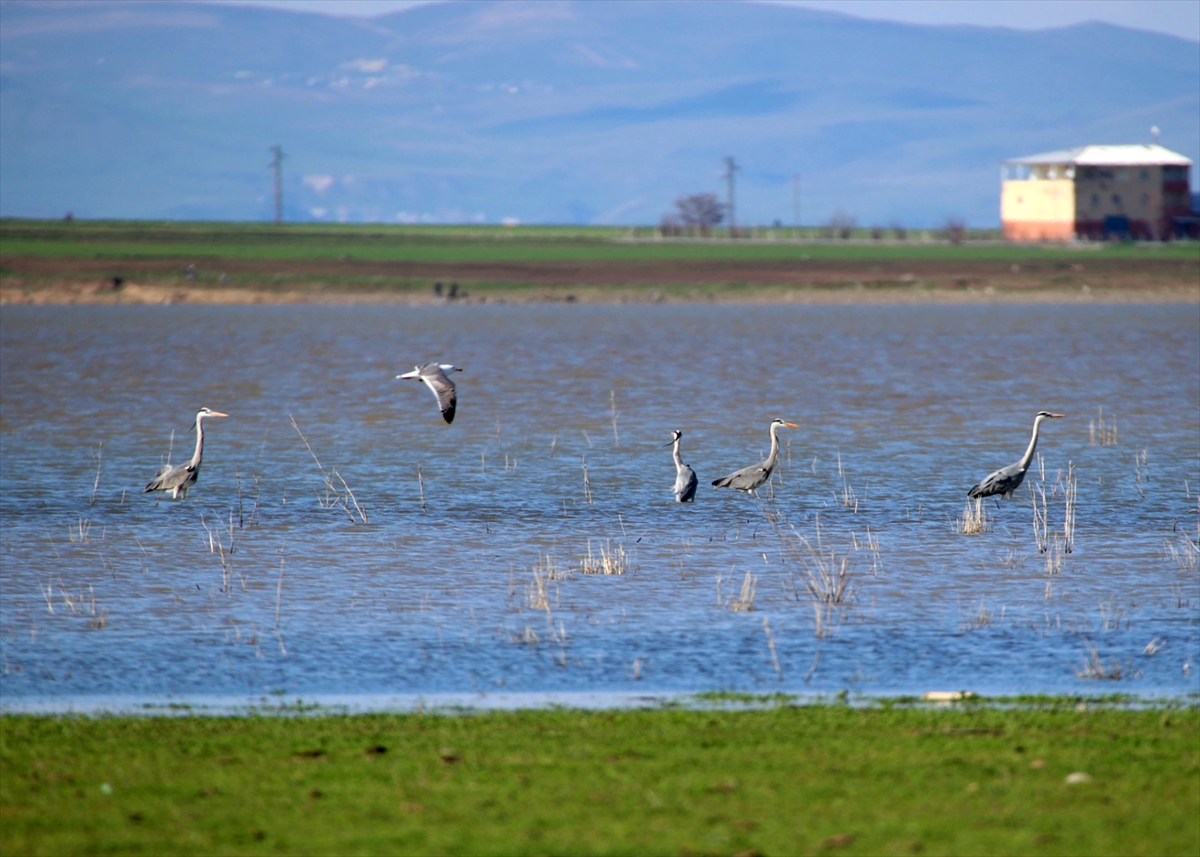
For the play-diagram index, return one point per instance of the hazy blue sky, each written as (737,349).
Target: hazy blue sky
(1176,17)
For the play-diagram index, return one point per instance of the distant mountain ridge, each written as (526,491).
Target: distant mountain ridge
(555,111)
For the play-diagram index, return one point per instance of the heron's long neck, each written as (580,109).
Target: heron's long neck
(199,441)
(678,460)
(1028,456)
(769,464)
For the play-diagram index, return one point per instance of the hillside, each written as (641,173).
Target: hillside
(555,112)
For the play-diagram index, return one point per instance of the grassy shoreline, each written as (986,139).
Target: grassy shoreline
(138,263)
(961,779)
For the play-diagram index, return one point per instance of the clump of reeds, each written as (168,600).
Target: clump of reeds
(1102,433)
(1055,555)
(217,545)
(609,560)
(1140,460)
(869,542)
(981,619)
(847,497)
(974,518)
(1094,668)
(342,497)
(1184,552)
(828,577)
(539,595)
(81,533)
(743,602)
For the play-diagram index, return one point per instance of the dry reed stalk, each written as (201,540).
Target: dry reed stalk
(332,495)
(96,484)
(1041,532)
(1070,495)
(48,594)
(974,518)
(612,400)
(1139,471)
(553,444)
(822,619)
(421,487)
(771,646)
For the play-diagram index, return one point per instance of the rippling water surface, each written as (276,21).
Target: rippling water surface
(467,574)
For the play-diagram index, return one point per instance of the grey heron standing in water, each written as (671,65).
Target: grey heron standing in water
(179,478)
(685,477)
(1006,480)
(434,376)
(750,478)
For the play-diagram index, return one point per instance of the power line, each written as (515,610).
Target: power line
(730,167)
(277,165)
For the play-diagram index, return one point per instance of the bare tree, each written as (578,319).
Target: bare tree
(955,230)
(699,211)
(841,225)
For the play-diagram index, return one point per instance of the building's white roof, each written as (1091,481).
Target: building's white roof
(1140,155)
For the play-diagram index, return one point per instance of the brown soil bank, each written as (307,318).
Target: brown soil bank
(39,279)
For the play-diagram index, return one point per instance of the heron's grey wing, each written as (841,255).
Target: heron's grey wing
(685,485)
(746,479)
(1003,481)
(168,477)
(443,388)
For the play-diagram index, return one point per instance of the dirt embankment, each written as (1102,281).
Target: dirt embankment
(33,279)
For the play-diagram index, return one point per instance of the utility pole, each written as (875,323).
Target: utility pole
(730,167)
(796,200)
(277,165)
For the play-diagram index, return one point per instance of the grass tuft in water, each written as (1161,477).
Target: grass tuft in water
(609,560)
(974,519)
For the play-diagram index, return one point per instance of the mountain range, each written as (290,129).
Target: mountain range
(555,111)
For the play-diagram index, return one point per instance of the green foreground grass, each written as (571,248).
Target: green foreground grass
(784,780)
(497,244)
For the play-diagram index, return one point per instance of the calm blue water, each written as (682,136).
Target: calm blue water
(466,576)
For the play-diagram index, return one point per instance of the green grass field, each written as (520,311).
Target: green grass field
(376,243)
(889,779)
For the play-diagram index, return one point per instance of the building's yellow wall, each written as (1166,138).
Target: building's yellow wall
(1038,209)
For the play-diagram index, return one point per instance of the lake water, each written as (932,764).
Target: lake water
(466,578)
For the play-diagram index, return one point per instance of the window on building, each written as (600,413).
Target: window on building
(1116,199)
(1095,200)
(1145,175)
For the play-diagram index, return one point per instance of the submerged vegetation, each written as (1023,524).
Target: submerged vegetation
(954,779)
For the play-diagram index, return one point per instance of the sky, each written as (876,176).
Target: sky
(1175,17)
